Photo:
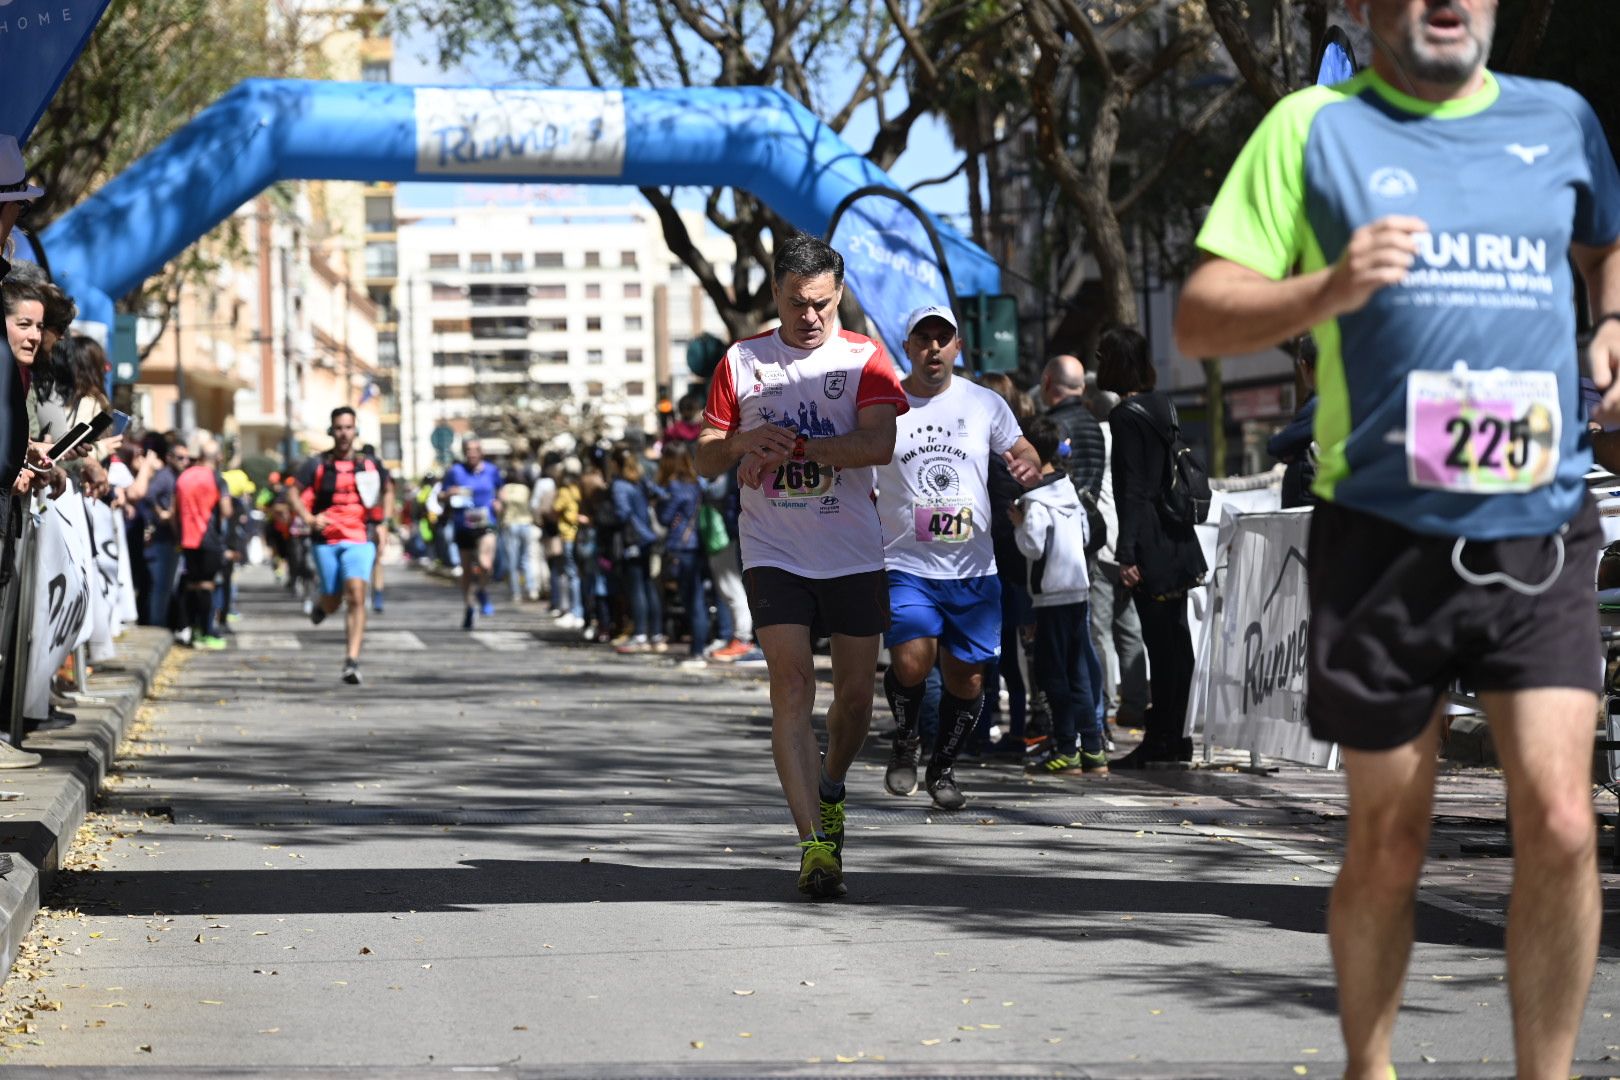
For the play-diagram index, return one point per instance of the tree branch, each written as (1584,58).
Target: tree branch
(1527,41)
(1227,17)
(1184,140)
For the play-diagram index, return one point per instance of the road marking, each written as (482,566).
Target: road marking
(252,642)
(503,640)
(394,641)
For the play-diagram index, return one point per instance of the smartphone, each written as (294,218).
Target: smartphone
(89,431)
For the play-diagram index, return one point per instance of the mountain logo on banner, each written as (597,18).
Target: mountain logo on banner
(38,44)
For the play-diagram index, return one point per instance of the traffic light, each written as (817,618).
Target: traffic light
(990,331)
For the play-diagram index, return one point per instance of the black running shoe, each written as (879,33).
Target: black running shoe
(901,776)
(942,787)
(467,619)
(317,614)
(351,672)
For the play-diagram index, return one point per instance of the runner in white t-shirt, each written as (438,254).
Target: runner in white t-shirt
(943,589)
(805,412)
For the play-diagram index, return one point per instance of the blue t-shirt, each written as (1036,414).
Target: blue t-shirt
(481,484)
(1506,179)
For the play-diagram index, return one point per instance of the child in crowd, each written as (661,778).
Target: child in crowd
(1050,529)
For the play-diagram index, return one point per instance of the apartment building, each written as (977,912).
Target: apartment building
(576,316)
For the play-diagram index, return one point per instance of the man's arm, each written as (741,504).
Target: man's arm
(1023,462)
(871,443)
(1227,309)
(1601,269)
(718,451)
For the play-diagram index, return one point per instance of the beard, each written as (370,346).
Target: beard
(1449,64)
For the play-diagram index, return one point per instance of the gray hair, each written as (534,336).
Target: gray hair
(806,256)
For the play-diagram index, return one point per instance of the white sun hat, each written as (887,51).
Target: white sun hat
(13,171)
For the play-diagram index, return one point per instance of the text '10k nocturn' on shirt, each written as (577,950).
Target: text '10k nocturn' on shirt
(933,498)
(1450,402)
(808,519)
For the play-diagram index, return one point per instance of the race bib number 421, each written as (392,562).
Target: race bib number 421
(1482,432)
(942,523)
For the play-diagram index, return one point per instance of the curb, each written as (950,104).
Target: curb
(39,826)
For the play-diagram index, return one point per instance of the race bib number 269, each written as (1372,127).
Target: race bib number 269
(1482,432)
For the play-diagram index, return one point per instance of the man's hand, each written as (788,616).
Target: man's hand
(318,522)
(754,467)
(1604,356)
(1015,514)
(1022,471)
(1130,576)
(768,439)
(1378,254)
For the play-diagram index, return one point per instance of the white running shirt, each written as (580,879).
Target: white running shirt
(808,519)
(933,497)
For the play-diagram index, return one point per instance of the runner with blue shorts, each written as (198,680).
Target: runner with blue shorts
(944,595)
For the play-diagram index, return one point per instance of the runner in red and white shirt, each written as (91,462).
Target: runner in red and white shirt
(806,412)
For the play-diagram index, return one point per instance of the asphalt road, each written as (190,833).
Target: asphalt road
(509,849)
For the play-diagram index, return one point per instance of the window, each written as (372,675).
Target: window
(635,389)
(511,263)
(444,262)
(555,356)
(627,258)
(499,295)
(452,393)
(632,290)
(447,292)
(593,290)
(387,351)
(555,391)
(632,322)
(451,326)
(554,325)
(379,213)
(677,271)
(449,359)
(593,258)
(500,328)
(593,322)
(548,260)
(593,356)
(593,389)
(481,263)
(382,260)
(549,292)
(376,71)
(632,356)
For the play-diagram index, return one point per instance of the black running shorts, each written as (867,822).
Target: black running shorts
(856,604)
(201,565)
(1393,626)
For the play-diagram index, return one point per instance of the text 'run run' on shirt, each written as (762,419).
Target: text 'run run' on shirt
(808,519)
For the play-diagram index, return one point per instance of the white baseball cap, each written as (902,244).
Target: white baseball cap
(13,170)
(933,311)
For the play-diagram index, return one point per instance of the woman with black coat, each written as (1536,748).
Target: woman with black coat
(1158,560)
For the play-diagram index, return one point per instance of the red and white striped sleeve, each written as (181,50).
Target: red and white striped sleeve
(721,411)
(880,385)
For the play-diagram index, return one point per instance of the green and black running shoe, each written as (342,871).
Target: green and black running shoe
(832,824)
(821,875)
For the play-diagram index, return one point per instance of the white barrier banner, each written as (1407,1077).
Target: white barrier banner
(61,596)
(128,608)
(105,624)
(1255,695)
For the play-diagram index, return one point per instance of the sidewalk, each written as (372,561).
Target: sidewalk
(44,806)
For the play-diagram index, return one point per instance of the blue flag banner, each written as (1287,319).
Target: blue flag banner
(39,40)
(889,263)
(1337,63)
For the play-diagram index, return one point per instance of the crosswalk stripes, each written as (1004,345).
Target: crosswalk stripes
(250,642)
(503,640)
(393,641)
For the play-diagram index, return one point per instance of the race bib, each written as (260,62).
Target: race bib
(1482,432)
(476,517)
(794,481)
(942,523)
(460,502)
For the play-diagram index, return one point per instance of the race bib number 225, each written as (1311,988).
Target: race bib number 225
(1482,432)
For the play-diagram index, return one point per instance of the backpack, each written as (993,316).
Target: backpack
(1185,497)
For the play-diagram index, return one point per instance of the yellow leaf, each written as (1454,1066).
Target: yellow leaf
(967,1027)
(206,1001)
(743,993)
(931,1042)
(1300,1070)
(1055,1039)
(845,1060)
(96,934)
(1155,1012)
(269,1031)
(697,1044)
(989,1027)
(745,1034)
(1310,1050)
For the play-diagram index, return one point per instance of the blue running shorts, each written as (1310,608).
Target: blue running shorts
(337,563)
(964,614)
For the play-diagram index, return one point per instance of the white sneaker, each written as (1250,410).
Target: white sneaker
(12,757)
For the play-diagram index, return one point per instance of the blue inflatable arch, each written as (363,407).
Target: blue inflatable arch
(758,140)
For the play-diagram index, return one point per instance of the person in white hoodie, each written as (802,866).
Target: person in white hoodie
(1050,529)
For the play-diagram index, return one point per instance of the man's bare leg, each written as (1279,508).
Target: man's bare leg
(1544,738)
(791,663)
(1370,920)
(354,620)
(849,717)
